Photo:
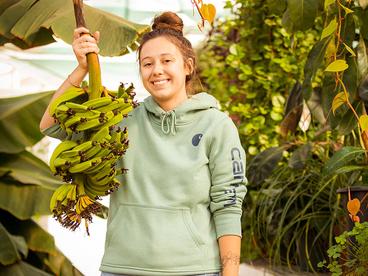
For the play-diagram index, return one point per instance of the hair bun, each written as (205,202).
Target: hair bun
(168,20)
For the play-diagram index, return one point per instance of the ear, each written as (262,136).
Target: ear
(189,66)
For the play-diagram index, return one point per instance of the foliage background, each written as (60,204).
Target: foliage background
(266,65)
(250,64)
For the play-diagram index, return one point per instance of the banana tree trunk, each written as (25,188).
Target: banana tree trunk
(94,69)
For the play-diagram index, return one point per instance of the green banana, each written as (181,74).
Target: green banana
(62,109)
(116,137)
(103,152)
(76,107)
(60,162)
(71,121)
(70,153)
(95,103)
(105,171)
(114,184)
(113,121)
(61,118)
(97,189)
(92,152)
(126,110)
(104,181)
(96,192)
(109,160)
(85,146)
(101,135)
(91,114)
(68,95)
(89,124)
(107,116)
(116,104)
(63,146)
(56,195)
(83,166)
(71,195)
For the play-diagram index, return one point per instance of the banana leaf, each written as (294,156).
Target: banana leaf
(8,247)
(40,246)
(24,201)
(22,167)
(20,269)
(19,121)
(36,238)
(30,23)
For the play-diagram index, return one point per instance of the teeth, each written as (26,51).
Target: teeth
(160,82)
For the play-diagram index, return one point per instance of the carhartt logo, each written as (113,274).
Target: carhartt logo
(196,139)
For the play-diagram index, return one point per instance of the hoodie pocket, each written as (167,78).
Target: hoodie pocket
(153,237)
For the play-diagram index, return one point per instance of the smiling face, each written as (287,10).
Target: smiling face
(163,72)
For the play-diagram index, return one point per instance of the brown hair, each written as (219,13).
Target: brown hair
(170,25)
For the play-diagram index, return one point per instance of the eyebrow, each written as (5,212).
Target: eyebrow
(164,54)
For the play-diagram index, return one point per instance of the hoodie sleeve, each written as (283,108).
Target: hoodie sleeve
(227,166)
(55,131)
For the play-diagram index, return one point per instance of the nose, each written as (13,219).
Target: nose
(157,69)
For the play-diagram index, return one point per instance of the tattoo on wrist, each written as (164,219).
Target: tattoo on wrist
(230,258)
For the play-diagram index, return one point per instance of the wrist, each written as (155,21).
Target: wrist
(72,82)
(82,69)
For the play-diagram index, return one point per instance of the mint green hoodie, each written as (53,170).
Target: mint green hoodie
(184,189)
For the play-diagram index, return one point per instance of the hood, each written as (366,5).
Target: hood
(183,114)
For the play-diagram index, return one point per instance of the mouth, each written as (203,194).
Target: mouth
(160,82)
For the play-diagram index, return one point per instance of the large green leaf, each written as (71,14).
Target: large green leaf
(24,201)
(362,57)
(276,6)
(342,158)
(40,243)
(60,265)
(21,269)
(19,121)
(4,4)
(28,169)
(300,14)
(293,111)
(8,249)
(314,61)
(35,21)
(363,20)
(348,121)
(36,238)
(329,90)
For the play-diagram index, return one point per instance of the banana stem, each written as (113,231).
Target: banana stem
(94,70)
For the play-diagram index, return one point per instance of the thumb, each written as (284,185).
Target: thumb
(96,35)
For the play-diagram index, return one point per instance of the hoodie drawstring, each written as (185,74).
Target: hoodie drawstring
(168,120)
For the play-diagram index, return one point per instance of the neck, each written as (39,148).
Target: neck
(170,104)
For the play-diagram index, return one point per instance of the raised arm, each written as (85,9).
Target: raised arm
(82,44)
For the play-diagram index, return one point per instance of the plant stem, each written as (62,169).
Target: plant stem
(94,70)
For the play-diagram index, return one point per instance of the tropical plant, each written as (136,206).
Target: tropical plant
(349,253)
(26,185)
(294,173)
(30,23)
(250,64)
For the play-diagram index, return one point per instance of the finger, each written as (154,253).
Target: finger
(86,39)
(96,35)
(78,31)
(90,50)
(88,45)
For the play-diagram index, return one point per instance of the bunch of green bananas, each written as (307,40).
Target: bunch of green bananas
(88,166)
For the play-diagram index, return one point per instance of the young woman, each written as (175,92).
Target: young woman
(179,207)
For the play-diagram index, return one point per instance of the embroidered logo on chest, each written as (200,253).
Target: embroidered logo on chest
(196,139)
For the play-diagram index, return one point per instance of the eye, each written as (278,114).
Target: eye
(147,64)
(167,60)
